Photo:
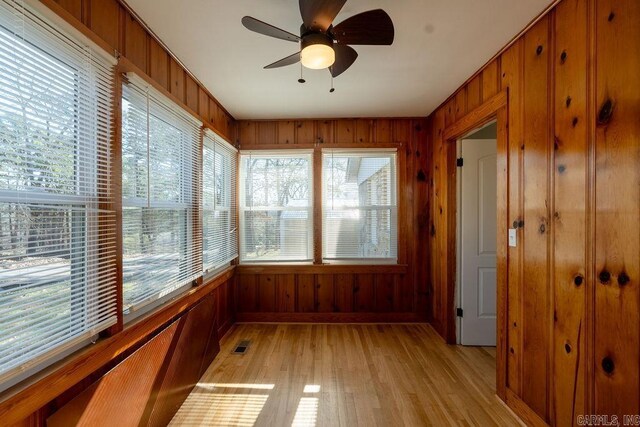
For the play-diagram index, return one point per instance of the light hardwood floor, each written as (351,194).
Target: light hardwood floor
(330,375)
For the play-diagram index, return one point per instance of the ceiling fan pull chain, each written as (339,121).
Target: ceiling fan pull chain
(301,79)
(332,88)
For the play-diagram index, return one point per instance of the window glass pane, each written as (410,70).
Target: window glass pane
(277,235)
(166,160)
(216,241)
(209,181)
(218,200)
(134,150)
(359,211)
(154,243)
(37,262)
(276,207)
(39,118)
(221,173)
(277,182)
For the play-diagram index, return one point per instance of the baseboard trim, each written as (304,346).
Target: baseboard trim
(224,328)
(522,410)
(437,326)
(331,317)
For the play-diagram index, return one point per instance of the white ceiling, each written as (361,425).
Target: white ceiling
(438,45)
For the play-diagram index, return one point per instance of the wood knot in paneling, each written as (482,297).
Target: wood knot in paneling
(604,277)
(605,113)
(607,365)
(623,279)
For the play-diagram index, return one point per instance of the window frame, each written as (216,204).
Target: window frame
(188,204)
(392,154)
(291,153)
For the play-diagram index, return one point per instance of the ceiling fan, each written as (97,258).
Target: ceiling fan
(321,44)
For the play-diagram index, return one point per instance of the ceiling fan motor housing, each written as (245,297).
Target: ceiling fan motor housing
(313,38)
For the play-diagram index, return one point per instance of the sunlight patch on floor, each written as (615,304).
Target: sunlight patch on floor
(307,412)
(220,409)
(311,388)
(211,386)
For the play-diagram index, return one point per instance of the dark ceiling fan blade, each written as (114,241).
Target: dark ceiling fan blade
(289,60)
(372,28)
(345,57)
(319,14)
(260,27)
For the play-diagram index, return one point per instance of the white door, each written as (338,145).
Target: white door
(478,242)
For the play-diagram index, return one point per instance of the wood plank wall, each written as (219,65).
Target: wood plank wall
(574,194)
(339,293)
(148,386)
(111,25)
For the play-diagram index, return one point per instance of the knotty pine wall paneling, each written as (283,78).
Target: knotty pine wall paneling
(535,236)
(286,293)
(305,292)
(305,132)
(332,294)
(148,386)
(617,207)
(159,64)
(132,381)
(364,293)
(110,24)
(136,43)
(573,189)
(343,290)
(570,168)
(191,93)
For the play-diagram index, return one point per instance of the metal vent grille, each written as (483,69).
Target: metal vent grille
(241,347)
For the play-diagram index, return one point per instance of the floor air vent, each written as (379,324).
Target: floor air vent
(241,347)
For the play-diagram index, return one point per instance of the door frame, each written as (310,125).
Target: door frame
(495,108)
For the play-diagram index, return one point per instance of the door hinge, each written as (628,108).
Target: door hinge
(459,312)
(459,162)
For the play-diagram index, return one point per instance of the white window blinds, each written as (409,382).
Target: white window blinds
(160,185)
(57,254)
(276,206)
(359,205)
(219,229)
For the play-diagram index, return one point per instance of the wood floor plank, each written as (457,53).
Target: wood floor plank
(330,375)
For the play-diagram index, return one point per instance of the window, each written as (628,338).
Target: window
(160,185)
(359,205)
(276,209)
(219,230)
(57,231)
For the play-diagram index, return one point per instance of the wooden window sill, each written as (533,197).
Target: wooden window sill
(322,269)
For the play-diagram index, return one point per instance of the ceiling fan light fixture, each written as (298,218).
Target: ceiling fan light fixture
(317,52)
